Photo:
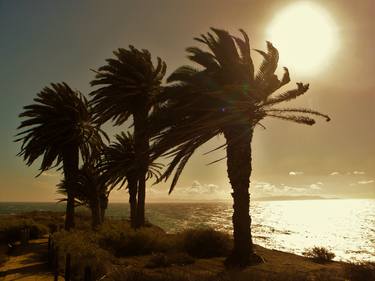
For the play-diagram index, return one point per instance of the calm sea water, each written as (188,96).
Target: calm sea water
(347,227)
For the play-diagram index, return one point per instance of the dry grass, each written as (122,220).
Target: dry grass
(360,271)
(319,254)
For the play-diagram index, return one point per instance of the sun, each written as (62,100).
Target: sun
(306,36)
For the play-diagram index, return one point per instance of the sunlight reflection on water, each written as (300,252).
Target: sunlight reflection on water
(347,226)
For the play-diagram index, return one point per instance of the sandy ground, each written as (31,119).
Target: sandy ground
(27,263)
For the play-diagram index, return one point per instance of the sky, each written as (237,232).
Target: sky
(53,41)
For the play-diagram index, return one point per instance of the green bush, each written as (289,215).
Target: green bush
(360,271)
(84,251)
(319,254)
(206,243)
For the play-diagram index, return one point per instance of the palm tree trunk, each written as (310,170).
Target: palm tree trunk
(132,187)
(70,163)
(96,213)
(103,207)
(141,146)
(239,170)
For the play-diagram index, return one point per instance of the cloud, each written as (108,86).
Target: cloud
(365,182)
(267,189)
(334,173)
(47,174)
(315,186)
(265,186)
(292,189)
(295,173)
(358,173)
(199,191)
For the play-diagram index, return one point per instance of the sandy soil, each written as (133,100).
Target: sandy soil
(27,263)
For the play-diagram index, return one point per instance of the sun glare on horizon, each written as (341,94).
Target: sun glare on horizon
(305,35)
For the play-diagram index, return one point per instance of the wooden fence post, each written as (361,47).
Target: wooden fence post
(67,267)
(56,265)
(49,255)
(25,236)
(88,276)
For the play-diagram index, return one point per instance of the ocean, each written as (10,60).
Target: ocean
(346,226)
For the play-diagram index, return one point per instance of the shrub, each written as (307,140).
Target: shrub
(360,271)
(164,260)
(206,243)
(124,241)
(157,260)
(11,229)
(180,259)
(84,252)
(319,254)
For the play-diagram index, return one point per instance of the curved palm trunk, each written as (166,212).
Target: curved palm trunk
(141,146)
(70,166)
(132,187)
(239,170)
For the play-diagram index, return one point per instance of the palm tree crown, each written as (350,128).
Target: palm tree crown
(127,82)
(59,118)
(118,161)
(223,93)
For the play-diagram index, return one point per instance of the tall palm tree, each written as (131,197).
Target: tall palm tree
(118,167)
(59,128)
(91,191)
(129,86)
(224,96)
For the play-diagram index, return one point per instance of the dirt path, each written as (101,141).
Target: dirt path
(27,263)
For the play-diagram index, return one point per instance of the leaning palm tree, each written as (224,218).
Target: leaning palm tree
(90,191)
(59,129)
(118,167)
(129,86)
(224,96)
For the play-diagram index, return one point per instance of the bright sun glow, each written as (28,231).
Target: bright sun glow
(306,37)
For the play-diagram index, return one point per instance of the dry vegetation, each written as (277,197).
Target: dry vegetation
(118,253)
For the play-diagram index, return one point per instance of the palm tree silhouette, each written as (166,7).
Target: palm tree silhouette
(59,128)
(226,97)
(130,85)
(118,167)
(91,191)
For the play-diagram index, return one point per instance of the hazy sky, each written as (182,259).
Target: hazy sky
(52,41)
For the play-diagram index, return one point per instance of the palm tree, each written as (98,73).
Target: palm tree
(59,128)
(226,97)
(91,191)
(118,167)
(130,85)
